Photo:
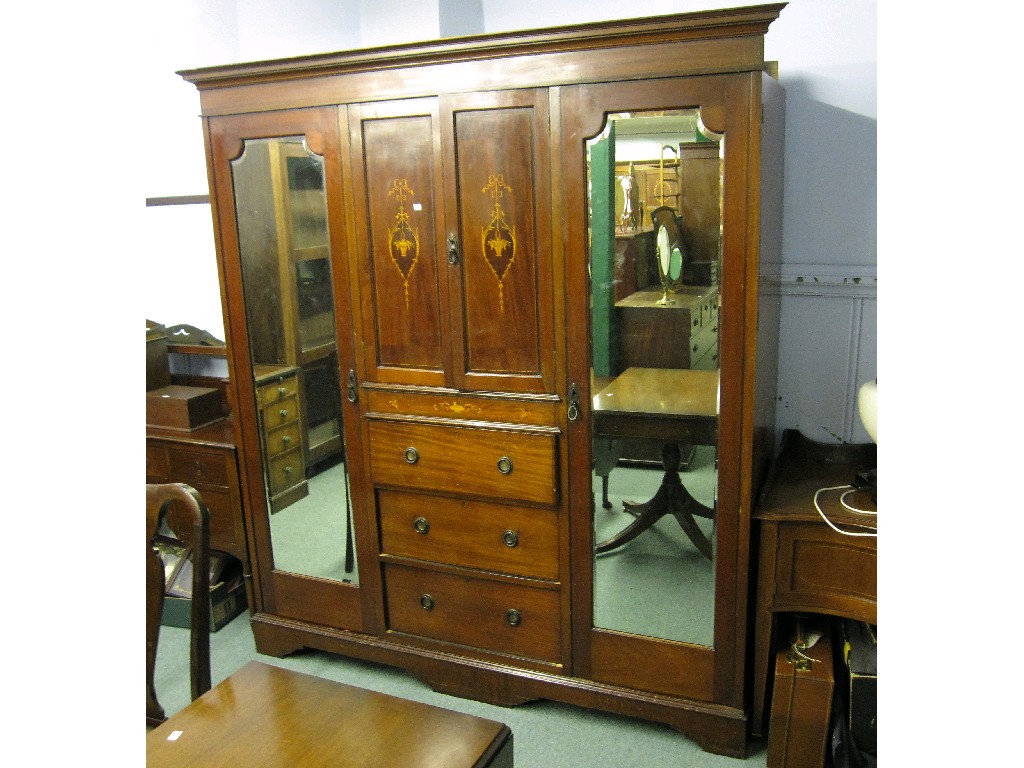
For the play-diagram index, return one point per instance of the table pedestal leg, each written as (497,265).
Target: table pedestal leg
(673,499)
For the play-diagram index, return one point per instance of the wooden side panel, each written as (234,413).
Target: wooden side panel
(502,187)
(402,311)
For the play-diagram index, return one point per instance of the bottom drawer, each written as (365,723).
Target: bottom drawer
(504,617)
(286,470)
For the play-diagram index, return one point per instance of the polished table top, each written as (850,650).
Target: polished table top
(670,403)
(269,716)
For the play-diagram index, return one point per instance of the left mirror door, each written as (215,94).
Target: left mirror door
(283,250)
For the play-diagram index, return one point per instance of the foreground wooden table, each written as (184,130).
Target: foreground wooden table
(268,716)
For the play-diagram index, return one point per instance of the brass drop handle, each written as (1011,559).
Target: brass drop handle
(573,412)
(427,602)
(511,539)
(453,249)
(421,525)
(513,617)
(505,465)
(412,455)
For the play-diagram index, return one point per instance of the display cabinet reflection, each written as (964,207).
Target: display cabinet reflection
(286,275)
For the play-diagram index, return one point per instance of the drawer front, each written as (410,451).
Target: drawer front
(504,464)
(279,390)
(222,520)
(188,465)
(283,439)
(281,412)
(702,343)
(818,568)
(496,616)
(474,534)
(157,463)
(286,470)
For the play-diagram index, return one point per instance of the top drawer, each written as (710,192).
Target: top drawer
(505,464)
(278,390)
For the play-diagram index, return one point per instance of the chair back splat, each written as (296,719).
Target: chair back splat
(189,520)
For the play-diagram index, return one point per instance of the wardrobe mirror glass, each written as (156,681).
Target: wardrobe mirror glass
(289,303)
(655,223)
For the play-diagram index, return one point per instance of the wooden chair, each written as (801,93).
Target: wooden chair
(189,519)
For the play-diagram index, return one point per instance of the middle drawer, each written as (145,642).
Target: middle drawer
(475,534)
(498,463)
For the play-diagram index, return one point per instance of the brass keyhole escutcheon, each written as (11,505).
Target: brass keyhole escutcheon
(511,538)
(412,455)
(513,617)
(453,249)
(427,602)
(421,525)
(505,465)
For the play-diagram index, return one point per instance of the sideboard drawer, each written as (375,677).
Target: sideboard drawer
(195,467)
(474,534)
(503,617)
(504,464)
(818,568)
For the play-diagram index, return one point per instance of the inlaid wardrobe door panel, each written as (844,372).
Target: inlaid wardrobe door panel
(498,146)
(397,198)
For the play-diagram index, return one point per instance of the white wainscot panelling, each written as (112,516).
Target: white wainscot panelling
(828,348)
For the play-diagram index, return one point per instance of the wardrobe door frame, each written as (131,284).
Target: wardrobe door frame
(713,674)
(281,593)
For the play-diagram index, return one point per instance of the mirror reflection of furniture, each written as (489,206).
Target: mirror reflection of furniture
(673,406)
(182,509)
(668,245)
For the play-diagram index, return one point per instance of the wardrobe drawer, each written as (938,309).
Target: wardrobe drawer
(503,617)
(281,412)
(505,464)
(286,470)
(474,534)
(278,390)
(188,465)
(283,439)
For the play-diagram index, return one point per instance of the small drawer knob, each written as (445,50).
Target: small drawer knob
(505,465)
(427,602)
(421,525)
(511,539)
(286,439)
(283,413)
(288,470)
(282,391)
(513,617)
(412,455)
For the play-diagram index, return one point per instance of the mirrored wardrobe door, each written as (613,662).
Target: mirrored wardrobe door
(652,259)
(291,305)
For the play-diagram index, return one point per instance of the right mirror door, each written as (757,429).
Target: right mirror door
(655,228)
(657,237)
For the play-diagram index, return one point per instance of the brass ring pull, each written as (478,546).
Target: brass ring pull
(427,602)
(505,465)
(513,617)
(412,455)
(421,525)
(511,539)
